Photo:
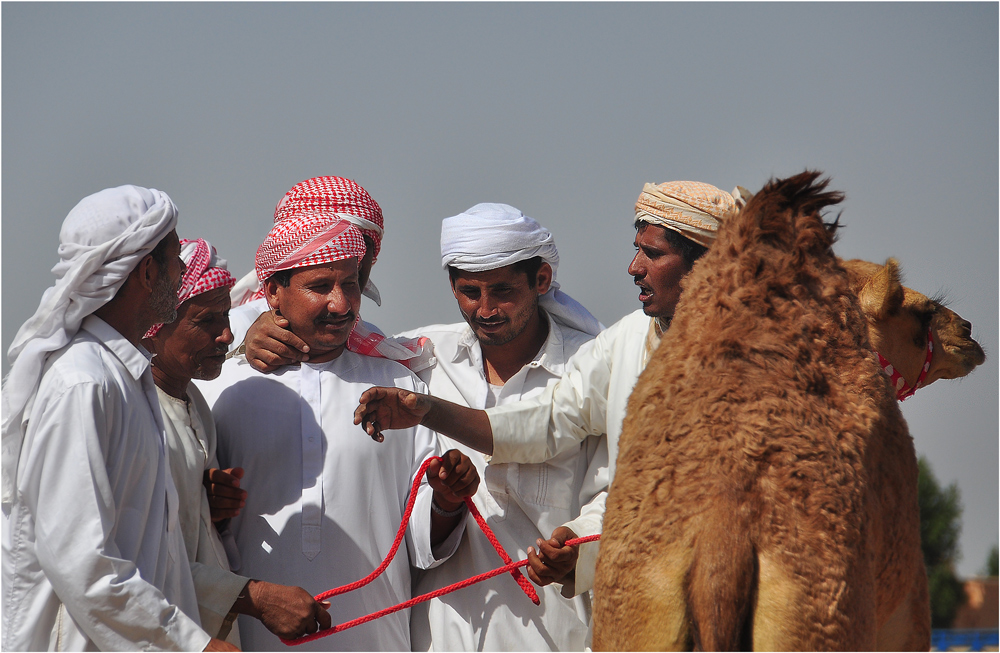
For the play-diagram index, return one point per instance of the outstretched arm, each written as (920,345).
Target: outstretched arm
(394,408)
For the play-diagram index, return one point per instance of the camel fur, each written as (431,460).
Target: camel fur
(766,487)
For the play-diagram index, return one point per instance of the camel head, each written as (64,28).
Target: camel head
(899,319)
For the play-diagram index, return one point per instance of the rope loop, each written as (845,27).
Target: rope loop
(509,567)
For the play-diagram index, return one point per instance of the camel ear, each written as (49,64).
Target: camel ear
(882,294)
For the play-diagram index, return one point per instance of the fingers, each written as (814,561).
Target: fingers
(455,476)
(225,498)
(386,408)
(365,413)
(538,573)
(269,344)
(323,617)
(268,354)
(291,612)
(553,560)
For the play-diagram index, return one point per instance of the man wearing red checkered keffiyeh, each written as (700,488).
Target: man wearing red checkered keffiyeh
(321,505)
(267,345)
(336,196)
(204,271)
(194,346)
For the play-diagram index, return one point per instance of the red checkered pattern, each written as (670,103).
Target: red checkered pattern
(308,238)
(335,194)
(198,277)
(408,351)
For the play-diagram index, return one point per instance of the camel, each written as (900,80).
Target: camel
(766,494)
(899,319)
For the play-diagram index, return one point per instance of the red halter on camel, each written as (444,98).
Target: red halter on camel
(903,390)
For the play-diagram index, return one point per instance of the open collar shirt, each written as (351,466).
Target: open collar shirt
(93,556)
(324,500)
(589,399)
(521,503)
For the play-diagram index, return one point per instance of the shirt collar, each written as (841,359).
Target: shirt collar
(551,356)
(135,359)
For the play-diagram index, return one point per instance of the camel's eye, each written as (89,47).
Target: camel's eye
(924,317)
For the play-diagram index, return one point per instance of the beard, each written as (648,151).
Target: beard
(163,300)
(516,324)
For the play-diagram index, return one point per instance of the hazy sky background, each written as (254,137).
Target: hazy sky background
(563,110)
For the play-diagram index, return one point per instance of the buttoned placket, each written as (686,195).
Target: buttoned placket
(312,460)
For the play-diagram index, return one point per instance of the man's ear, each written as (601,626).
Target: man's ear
(543,278)
(272,293)
(146,273)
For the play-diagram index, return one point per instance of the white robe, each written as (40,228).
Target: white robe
(589,399)
(191,441)
(324,500)
(93,556)
(521,503)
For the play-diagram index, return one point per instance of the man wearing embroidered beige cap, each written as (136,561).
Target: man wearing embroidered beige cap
(675,223)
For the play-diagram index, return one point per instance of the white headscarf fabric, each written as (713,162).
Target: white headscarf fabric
(491,236)
(102,240)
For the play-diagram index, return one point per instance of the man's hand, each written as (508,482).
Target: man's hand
(452,478)
(269,343)
(225,498)
(286,611)
(554,561)
(390,408)
(216,644)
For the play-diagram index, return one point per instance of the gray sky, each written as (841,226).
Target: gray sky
(563,110)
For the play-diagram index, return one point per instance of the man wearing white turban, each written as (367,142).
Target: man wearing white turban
(674,223)
(93,556)
(518,332)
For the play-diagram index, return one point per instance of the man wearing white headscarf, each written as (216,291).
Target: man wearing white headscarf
(93,556)
(674,223)
(518,332)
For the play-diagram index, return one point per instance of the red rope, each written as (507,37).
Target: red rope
(510,566)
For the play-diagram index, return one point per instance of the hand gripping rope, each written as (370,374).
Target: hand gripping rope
(512,567)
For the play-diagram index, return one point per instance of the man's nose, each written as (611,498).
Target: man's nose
(226,337)
(487,305)
(337,302)
(635,268)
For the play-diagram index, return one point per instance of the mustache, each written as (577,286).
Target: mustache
(335,317)
(491,321)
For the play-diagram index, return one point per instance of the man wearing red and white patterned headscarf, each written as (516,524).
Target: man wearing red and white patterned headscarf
(194,346)
(265,341)
(322,505)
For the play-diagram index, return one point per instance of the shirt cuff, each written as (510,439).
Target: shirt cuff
(217,590)
(520,431)
(586,562)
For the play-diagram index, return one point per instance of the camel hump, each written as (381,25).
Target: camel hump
(722,580)
(787,214)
